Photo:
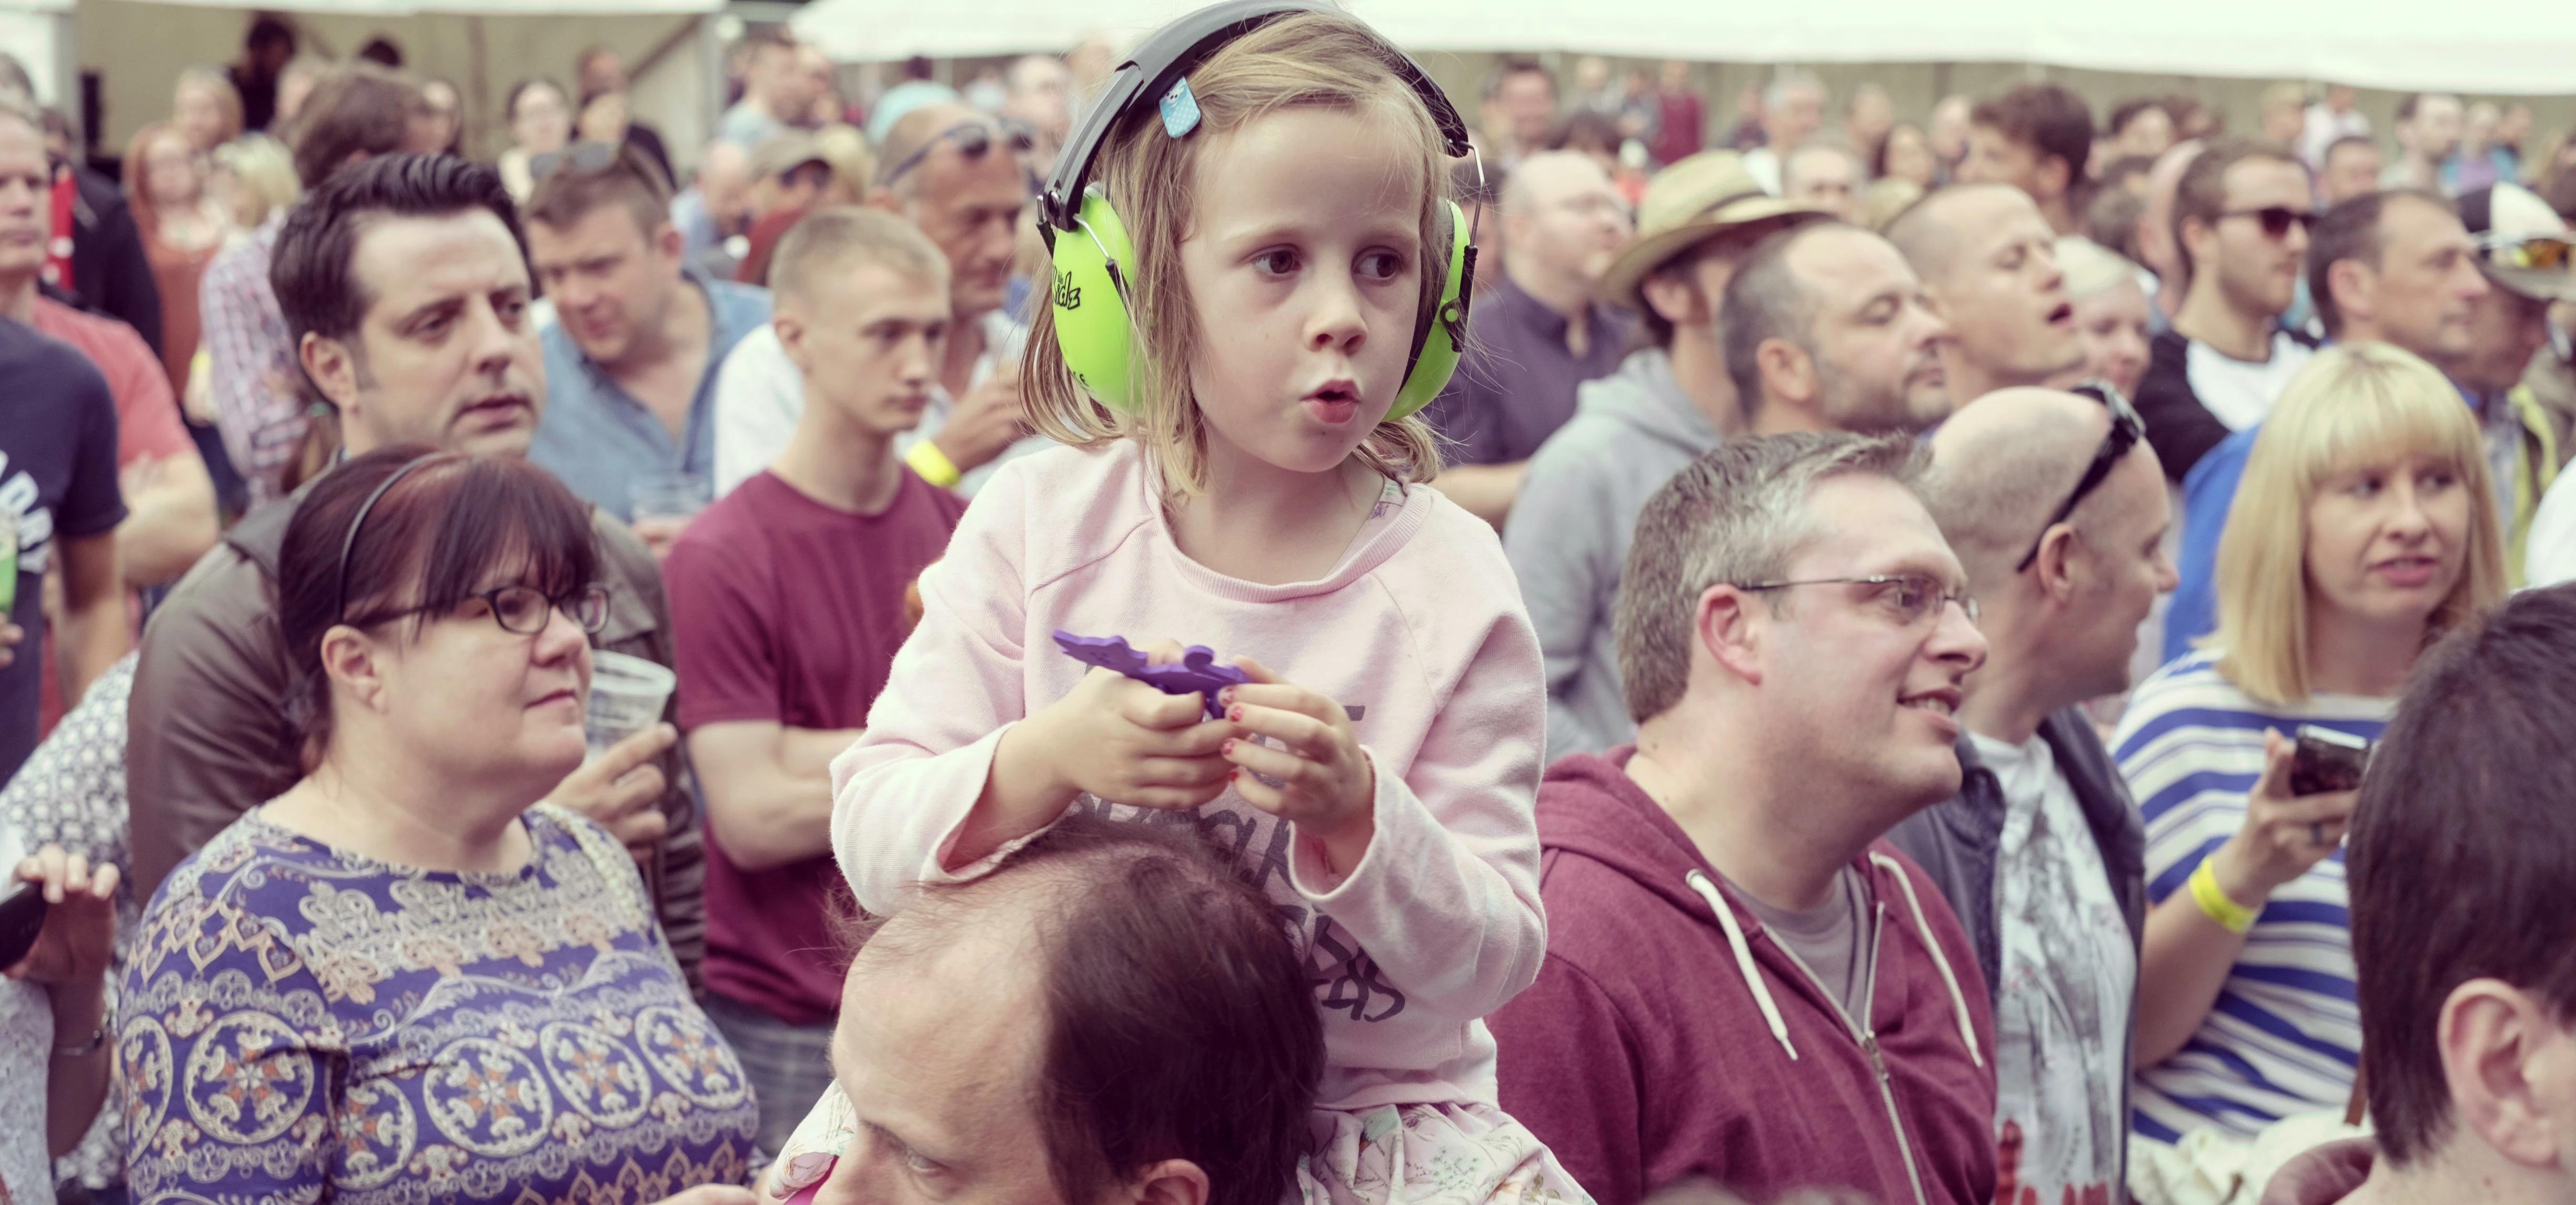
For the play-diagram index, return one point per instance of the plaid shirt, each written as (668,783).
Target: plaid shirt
(258,387)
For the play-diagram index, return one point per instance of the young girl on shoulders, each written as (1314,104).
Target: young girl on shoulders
(1244,473)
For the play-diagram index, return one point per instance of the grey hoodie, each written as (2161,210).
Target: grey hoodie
(1568,536)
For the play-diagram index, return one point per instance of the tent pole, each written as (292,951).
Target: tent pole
(478,80)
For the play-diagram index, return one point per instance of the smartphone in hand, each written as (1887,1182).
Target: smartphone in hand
(2327,761)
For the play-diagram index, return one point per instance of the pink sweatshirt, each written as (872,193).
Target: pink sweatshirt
(1420,624)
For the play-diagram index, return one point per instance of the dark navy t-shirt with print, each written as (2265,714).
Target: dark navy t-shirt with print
(58,479)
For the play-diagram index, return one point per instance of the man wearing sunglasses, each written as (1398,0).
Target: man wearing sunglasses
(2058,513)
(961,176)
(405,284)
(1743,981)
(2240,228)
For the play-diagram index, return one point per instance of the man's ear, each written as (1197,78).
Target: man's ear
(669,243)
(1788,372)
(333,366)
(2054,174)
(2501,1049)
(2354,287)
(2055,566)
(351,659)
(1675,297)
(1726,627)
(1170,1182)
(791,336)
(2196,240)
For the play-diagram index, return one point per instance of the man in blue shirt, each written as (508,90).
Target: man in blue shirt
(635,336)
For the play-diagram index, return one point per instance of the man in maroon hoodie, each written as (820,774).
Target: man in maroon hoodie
(2462,862)
(1743,981)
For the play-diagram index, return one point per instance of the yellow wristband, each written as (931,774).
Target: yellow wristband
(2212,898)
(933,465)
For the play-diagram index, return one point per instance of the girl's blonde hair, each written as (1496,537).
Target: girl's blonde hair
(263,172)
(2350,406)
(1310,60)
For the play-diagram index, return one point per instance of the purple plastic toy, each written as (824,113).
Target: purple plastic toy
(1195,673)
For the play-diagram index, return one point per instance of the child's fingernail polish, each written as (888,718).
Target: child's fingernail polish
(1235,714)
(1228,750)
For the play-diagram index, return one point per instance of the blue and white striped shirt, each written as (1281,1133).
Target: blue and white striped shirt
(2284,1034)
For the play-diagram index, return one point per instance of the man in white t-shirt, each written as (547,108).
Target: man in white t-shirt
(2241,217)
(2057,511)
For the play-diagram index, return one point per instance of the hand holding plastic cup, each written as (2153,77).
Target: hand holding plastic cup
(626,697)
(664,503)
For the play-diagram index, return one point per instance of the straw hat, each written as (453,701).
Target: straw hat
(1684,204)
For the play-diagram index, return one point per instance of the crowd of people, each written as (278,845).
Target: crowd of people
(1828,659)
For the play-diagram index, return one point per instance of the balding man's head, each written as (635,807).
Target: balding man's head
(2001,467)
(956,173)
(1825,329)
(724,182)
(1111,1006)
(1563,224)
(1989,263)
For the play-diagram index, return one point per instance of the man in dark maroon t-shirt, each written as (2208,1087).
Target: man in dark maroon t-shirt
(787,601)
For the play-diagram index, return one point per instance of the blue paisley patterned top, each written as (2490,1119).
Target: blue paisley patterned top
(300,1024)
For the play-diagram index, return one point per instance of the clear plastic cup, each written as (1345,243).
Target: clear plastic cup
(626,697)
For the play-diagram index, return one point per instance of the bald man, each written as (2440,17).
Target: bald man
(1826,329)
(1108,980)
(716,208)
(1542,331)
(1989,265)
(2040,853)
(953,172)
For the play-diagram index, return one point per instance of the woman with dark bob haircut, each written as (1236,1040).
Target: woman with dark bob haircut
(407,978)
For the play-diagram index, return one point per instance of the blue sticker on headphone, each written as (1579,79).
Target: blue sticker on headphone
(1180,109)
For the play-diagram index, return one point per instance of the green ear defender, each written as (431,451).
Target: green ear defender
(1094,259)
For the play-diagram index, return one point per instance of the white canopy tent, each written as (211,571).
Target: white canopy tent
(483,46)
(2485,46)
(37,34)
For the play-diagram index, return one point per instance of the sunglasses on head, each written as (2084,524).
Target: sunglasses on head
(583,157)
(2276,219)
(2544,253)
(974,140)
(2125,432)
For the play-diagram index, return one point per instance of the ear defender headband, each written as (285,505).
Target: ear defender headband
(1094,258)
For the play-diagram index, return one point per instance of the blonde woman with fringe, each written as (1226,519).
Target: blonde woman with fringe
(1377,775)
(2363,531)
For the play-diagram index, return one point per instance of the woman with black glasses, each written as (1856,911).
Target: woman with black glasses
(408,977)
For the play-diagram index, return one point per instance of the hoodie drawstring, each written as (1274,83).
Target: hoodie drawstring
(1958,1001)
(1744,960)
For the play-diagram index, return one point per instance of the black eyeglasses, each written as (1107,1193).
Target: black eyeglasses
(519,610)
(1915,596)
(2124,435)
(523,610)
(2277,219)
(974,140)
